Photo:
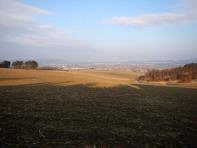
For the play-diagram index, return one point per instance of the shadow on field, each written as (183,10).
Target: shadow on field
(11,79)
(46,115)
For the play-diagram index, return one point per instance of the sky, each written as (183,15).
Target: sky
(98,30)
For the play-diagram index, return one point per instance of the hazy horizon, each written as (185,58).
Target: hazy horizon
(88,31)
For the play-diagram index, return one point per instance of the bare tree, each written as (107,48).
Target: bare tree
(18,64)
(5,64)
(182,74)
(32,64)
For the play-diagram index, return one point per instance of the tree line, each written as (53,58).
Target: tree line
(30,64)
(182,74)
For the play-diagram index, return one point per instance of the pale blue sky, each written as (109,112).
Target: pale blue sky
(98,30)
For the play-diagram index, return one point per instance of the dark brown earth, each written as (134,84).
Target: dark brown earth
(45,115)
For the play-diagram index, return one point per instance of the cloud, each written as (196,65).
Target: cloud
(16,14)
(149,19)
(19,25)
(152,19)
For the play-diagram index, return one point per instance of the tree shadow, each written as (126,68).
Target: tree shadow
(48,115)
(11,79)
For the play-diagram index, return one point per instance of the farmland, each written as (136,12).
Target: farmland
(87,77)
(89,108)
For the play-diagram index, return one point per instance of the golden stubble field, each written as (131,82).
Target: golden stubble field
(91,78)
(94,78)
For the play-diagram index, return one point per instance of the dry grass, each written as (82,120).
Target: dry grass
(192,84)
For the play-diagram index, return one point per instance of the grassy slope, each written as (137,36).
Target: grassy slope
(51,109)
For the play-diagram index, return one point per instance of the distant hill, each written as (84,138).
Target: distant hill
(181,74)
(161,64)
